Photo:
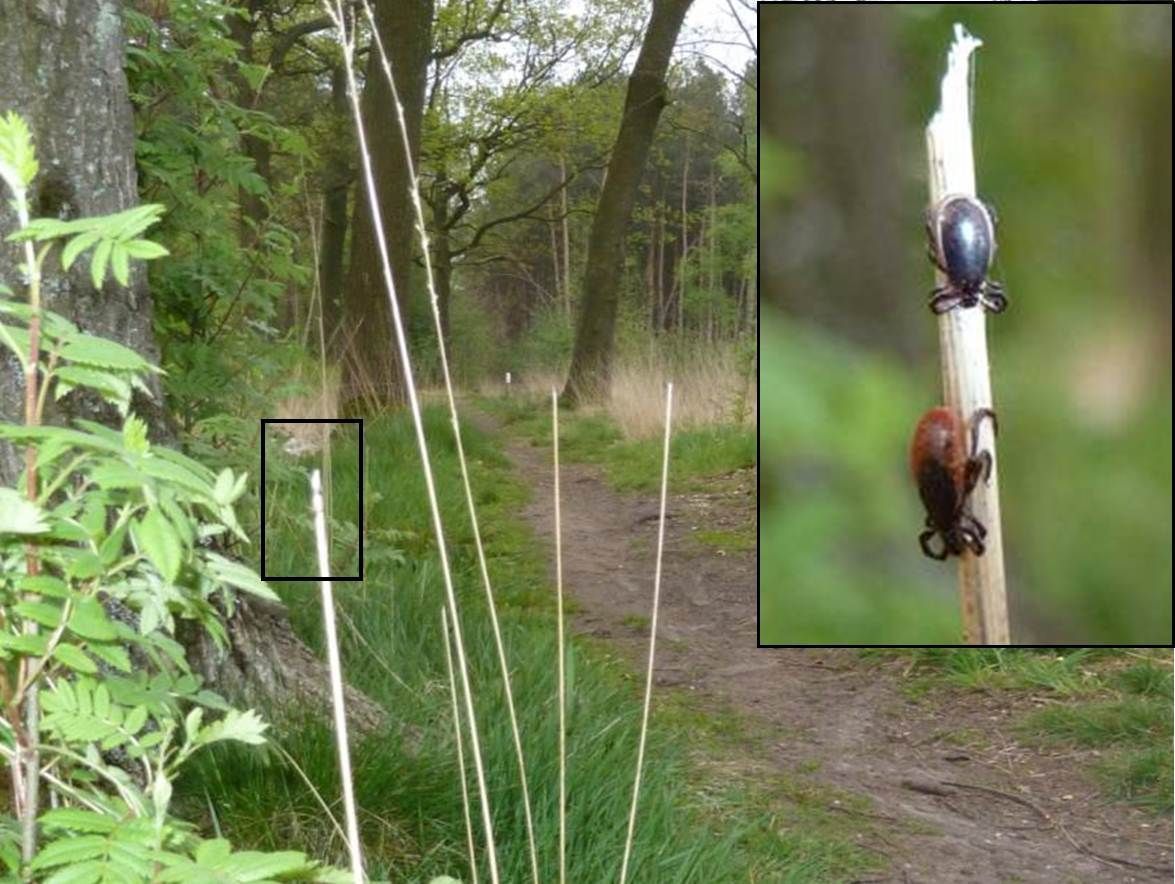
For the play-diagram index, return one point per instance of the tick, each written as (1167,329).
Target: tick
(960,233)
(946,472)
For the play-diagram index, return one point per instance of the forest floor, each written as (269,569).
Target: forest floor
(933,783)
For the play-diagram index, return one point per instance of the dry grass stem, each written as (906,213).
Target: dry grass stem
(561,677)
(499,645)
(966,376)
(460,747)
(330,634)
(346,41)
(640,752)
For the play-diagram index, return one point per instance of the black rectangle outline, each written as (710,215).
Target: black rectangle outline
(362,468)
(759,477)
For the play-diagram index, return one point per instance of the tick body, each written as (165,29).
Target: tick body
(946,471)
(960,232)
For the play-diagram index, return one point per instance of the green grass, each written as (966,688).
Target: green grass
(697,822)
(635,465)
(727,540)
(1117,702)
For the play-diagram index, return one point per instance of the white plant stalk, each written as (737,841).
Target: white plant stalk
(962,333)
(460,746)
(499,646)
(346,41)
(562,677)
(640,752)
(336,679)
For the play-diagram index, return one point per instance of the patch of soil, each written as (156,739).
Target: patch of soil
(957,797)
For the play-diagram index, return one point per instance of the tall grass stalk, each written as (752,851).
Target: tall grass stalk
(962,334)
(347,43)
(640,752)
(460,746)
(561,677)
(414,191)
(330,636)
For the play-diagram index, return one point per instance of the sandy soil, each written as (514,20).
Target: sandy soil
(954,797)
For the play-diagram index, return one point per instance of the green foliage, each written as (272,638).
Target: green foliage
(114,239)
(215,302)
(111,523)
(18,162)
(546,346)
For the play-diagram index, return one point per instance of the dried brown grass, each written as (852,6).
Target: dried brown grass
(710,387)
(322,404)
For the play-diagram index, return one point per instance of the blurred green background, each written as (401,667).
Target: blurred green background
(1073,147)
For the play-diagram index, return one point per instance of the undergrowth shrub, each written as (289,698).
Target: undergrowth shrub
(102,551)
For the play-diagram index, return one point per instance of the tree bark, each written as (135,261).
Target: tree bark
(61,68)
(643,103)
(442,258)
(566,276)
(682,276)
(371,372)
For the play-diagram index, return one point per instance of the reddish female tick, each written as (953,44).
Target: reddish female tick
(946,474)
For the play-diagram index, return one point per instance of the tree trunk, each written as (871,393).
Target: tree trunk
(336,180)
(643,103)
(660,239)
(61,68)
(682,276)
(715,296)
(442,259)
(555,269)
(566,240)
(367,345)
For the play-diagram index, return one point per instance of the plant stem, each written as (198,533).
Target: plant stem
(30,707)
(560,650)
(640,752)
(962,333)
(336,679)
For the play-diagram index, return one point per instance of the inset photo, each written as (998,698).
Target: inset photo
(965,278)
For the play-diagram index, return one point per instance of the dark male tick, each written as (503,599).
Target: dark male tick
(960,233)
(946,472)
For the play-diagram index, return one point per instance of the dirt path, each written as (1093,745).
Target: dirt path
(954,797)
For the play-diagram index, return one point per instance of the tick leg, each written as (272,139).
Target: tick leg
(995,219)
(983,458)
(977,466)
(924,541)
(931,251)
(973,541)
(993,297)
(973,525)
(944,298)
